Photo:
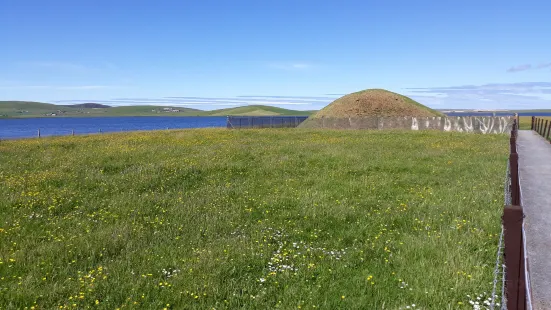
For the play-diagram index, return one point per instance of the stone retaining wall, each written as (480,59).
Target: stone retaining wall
(476,124)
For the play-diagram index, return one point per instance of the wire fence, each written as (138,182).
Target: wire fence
(515,282)
(499,301)
(239,122)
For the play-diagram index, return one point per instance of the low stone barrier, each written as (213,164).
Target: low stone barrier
(476,124)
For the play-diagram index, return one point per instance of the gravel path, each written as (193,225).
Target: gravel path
(535,181)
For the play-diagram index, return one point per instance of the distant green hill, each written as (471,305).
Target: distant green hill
(88,105)
(25,109)
(257,110)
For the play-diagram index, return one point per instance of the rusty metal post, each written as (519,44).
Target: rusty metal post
(512,225)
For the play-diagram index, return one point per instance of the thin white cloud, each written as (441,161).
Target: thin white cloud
(291,66)
(69,67)
(213,101)
(54,65)
(488,96)
(206,101)
(84,87)
(527,67)
(51,87)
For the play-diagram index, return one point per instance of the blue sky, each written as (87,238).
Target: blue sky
(298,54)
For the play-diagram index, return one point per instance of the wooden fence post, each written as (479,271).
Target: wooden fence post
(513,144)
(39,133)
(512,225)
(515,188)
(544,128)
(532,124)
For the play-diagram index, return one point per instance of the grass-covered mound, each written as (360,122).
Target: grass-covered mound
(250,219)
(374,102)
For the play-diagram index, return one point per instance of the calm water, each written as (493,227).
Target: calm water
(26,128)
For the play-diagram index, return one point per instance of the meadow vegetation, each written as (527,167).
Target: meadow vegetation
(250,219)
(525,122)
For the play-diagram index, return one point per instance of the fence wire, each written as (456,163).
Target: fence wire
(499,301)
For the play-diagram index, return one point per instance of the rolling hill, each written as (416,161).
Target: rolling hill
(257,110)
(88,105)
(25,109)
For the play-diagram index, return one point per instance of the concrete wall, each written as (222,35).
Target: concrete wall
(476,124)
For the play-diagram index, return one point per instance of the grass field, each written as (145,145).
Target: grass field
(525,122)
(251,219)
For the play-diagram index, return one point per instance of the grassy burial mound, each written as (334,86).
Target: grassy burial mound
(250,219)
(369,104)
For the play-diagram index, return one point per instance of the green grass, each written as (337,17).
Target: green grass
(251,219)
(525,122)
(22,109)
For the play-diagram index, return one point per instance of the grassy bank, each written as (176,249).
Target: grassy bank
(253,219)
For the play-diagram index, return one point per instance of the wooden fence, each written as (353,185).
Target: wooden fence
(516,286)
(541,126)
